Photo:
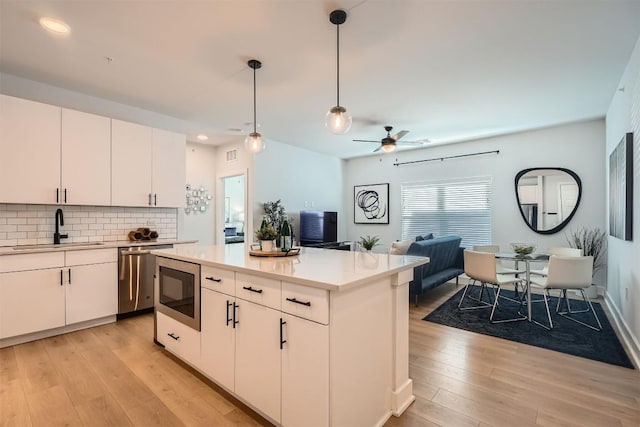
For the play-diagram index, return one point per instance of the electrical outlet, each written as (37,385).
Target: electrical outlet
(151,223)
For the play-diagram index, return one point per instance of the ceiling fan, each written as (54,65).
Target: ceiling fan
(388,143)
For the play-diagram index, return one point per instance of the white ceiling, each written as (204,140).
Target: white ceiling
(445,70)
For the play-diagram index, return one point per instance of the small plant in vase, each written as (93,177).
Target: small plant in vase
(369,242)
(267,235)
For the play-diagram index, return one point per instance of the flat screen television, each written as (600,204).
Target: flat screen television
(318,227)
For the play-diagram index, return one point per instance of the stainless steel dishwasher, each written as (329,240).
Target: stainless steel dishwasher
(136,267)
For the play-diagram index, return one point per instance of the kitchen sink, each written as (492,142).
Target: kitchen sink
(52,246)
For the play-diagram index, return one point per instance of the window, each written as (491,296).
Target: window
(459,207)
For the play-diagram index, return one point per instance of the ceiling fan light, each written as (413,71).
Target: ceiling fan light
(338,120)
(253,143)
(388,148)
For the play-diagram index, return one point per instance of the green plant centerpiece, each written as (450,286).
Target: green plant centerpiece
(274,213)
(266,235)
(369,242)
(593,243)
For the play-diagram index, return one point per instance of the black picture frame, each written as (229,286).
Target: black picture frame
(371,204)
(621,189)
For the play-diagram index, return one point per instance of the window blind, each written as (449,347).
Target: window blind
(459,207)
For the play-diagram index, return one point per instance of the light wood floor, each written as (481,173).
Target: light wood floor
(114,375)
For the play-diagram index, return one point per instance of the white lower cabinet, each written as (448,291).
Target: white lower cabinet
(218,337)
(50,290)
(258,354)
(31,301)
(90,292)
(305,372)
(275,361)
(178,338)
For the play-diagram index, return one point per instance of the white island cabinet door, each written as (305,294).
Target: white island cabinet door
(29,151)
(130,164)
(217,337)
(168,168)
(258,351)
(305,373)
(91,292)
(86,158)
(31,301)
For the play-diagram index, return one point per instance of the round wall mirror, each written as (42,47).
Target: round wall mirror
(548,197)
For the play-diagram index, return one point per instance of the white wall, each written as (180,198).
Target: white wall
(623,116)
(302,179)
(200,171)
(578,146)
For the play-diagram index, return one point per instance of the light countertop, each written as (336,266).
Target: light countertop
(28,249)
(321,268)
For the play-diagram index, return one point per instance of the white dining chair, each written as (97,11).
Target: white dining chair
(481,267)
(567,272)
(500,268)
(560,251)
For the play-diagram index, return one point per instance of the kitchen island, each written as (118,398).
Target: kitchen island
(316,339)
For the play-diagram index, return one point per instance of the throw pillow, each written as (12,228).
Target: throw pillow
(425,237)
(400,248)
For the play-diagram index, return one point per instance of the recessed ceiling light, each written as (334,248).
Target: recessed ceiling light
(55,25)
(202,137)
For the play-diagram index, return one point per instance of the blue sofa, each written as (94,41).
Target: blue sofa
(446,262)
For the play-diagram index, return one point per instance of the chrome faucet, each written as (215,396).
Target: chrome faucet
(59,221)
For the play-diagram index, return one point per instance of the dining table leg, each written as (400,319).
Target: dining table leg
(527,278)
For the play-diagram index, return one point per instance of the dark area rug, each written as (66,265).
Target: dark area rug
(566,336)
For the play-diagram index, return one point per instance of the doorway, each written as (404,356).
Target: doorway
(234,196)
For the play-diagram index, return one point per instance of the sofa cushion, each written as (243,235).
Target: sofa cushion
(425,237)
(442,253)
(400,247)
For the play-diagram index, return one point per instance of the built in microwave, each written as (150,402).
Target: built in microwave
(177,290)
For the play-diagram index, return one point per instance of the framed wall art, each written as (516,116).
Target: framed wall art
(371,204)
(621,189)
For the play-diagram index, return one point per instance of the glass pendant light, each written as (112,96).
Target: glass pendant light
(338,120)
(253,143)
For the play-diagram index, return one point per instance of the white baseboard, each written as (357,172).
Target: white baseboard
(632,343)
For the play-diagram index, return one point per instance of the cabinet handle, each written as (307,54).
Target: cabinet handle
(282,323)
(235,322)
(228,318)
(155,199)
(60,277)
(307,303)
(173,336)
(250,289)
(214,280)
(69,276)
(149,199)
(57,195)
(65,195)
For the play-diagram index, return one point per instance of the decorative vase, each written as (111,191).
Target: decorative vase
(267,245)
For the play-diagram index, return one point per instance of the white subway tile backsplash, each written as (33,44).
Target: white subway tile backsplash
(35,224)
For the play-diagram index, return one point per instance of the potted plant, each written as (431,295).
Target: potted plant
(267,236)
(368,242)
(592,242)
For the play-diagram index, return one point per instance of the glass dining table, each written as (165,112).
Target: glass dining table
(527,259)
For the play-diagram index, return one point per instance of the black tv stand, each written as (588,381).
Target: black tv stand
(341,246)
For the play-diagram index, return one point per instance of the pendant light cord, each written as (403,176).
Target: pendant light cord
(338,65)
(254,100)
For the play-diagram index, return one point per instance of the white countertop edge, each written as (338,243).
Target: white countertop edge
(416,261)
(8,250)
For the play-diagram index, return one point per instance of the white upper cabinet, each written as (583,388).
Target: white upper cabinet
(86,159)
(168,168)
(147,166)
(130,164)
(29,151)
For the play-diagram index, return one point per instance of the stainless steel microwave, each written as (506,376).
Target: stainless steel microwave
(177,290)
